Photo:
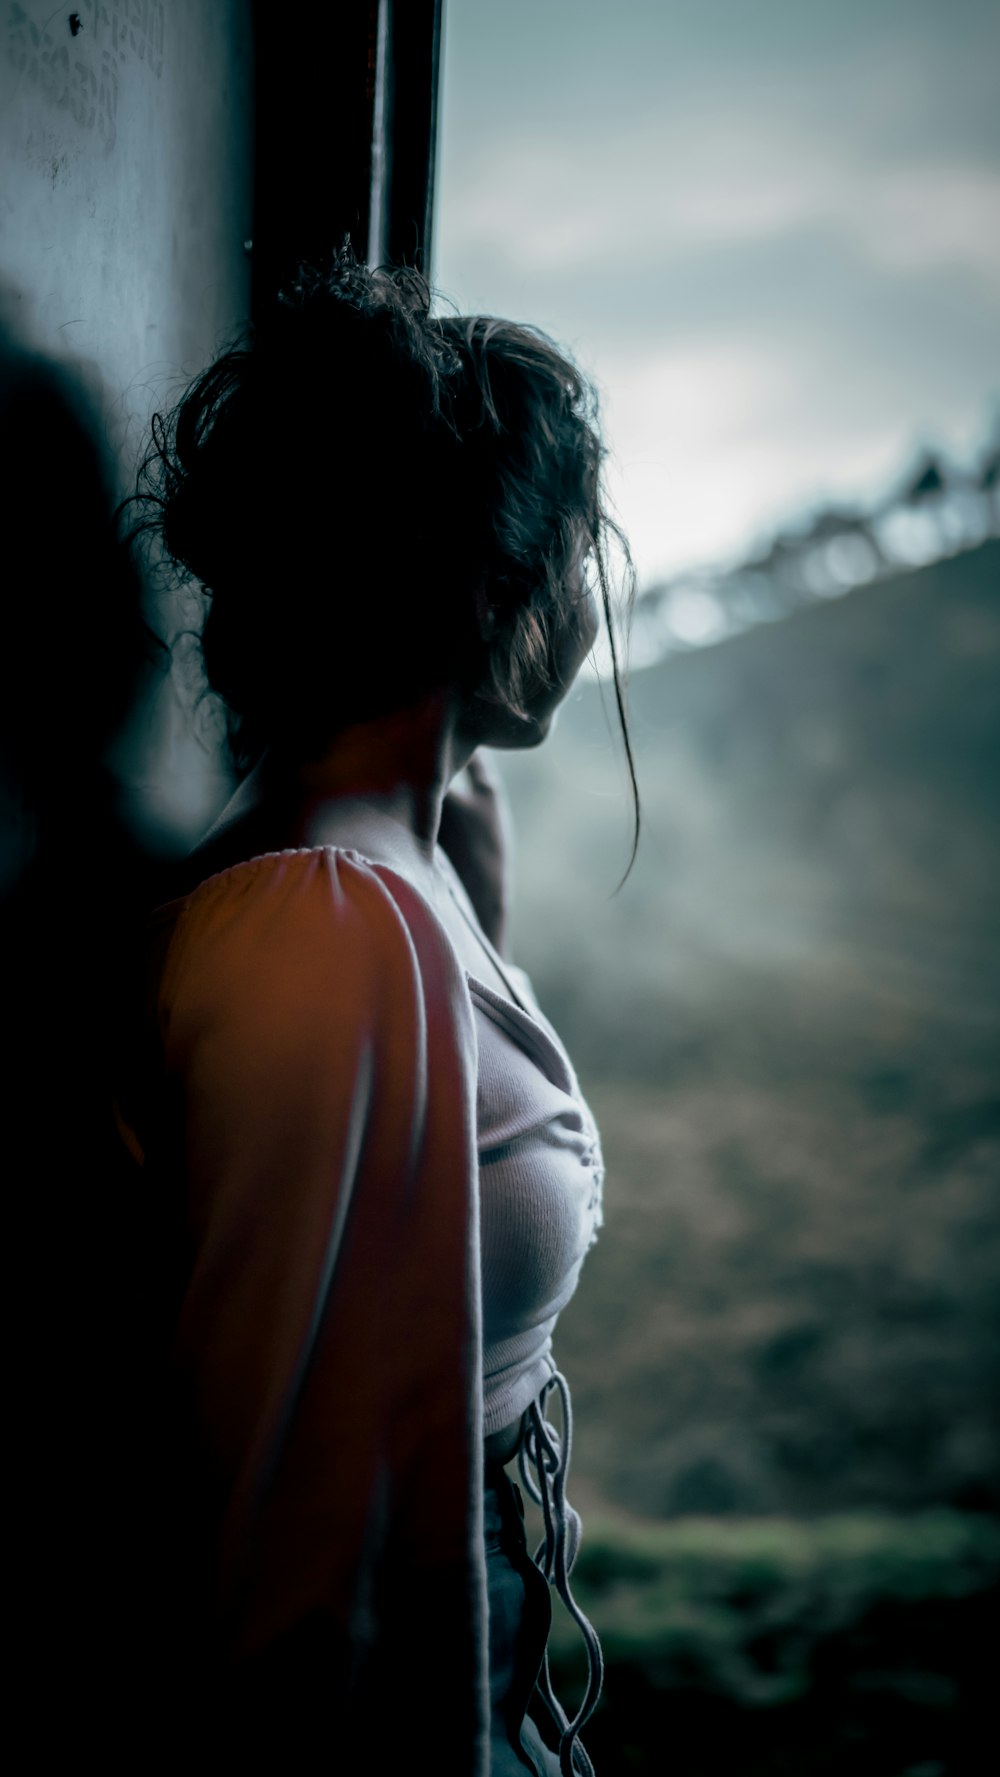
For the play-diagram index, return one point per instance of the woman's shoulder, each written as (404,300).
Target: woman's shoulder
(302,929)
(293,891)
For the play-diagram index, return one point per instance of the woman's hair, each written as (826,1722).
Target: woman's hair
(350,477)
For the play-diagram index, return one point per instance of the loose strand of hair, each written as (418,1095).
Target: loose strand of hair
(619,694)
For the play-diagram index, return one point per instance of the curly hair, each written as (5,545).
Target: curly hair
(347,479)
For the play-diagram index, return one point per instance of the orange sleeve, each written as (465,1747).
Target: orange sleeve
(319,1054)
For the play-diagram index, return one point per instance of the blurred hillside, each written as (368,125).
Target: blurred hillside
(788,1025)
(937,508)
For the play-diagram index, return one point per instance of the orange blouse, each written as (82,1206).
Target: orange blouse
(317,1094)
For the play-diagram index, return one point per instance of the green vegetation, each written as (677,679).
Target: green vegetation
(782,1648)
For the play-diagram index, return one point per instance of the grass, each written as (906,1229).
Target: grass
(780,1647)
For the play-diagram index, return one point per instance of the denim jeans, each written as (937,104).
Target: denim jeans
(520,1611)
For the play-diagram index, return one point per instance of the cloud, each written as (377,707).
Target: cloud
(924,216)
(699,455)
(666,190)
(717,442)
(784,278)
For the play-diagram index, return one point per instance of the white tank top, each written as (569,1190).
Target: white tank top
(540,1182)
(541,1178)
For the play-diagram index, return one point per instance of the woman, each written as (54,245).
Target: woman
(381,1173)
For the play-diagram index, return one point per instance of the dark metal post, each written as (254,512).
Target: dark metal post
(346,134)
(405,120)
(315,94)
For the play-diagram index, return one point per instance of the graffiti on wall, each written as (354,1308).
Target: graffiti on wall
(72,59)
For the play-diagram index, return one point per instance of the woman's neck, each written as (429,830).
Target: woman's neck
(399,764)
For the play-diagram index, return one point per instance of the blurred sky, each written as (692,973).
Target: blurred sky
(770,229)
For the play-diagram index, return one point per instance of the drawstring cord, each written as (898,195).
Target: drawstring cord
(549,1456)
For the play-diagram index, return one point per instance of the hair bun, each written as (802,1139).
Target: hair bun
(343,478)
(368,291)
